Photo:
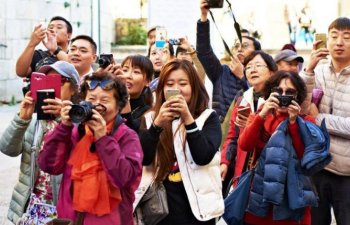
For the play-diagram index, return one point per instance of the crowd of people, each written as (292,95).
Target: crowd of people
(180,118)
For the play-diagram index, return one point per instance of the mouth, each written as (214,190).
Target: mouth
(75,60)
(128,85)
(338,51)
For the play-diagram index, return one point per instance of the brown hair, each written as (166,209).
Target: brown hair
(198,103)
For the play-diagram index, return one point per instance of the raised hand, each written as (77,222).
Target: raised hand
(37,35)
(66,106)
(54,106)
(165,115)
(270,104)
(51,42)
(315,56)
(97,124)
(27,107)
(236,67)
(178,105)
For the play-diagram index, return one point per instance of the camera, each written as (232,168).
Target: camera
(81,112)
(215,3)
(285,100)
(174,41)
(105,60)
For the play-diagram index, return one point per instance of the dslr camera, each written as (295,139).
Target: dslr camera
(105,60)
(82,112)
(215,3)
(285,100)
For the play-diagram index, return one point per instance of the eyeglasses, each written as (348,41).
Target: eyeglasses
(64,80)
(244,45)
(256,66)
(289,91)
(104,84)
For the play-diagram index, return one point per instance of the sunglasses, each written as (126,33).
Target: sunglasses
(104,84)
(289,91)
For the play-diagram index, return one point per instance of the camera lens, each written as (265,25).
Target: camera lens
(104,62)
(81,112)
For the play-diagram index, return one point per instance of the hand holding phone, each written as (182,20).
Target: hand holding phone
(171,93)
(41,96)
(244,111)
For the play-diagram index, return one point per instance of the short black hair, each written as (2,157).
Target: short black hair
(296,80)
(179,49)
(86,38)
(271,64)
(341,23)
(256,43)
(69,25)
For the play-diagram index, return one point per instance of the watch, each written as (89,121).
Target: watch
(57,51)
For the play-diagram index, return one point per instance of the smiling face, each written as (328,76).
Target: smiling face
(257,73)
(105,98)
(82,56)
(134,79)
(179,80)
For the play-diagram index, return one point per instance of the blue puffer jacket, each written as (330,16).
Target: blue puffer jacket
(226,84)
(280,177)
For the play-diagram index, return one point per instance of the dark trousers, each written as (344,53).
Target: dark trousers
(333,191)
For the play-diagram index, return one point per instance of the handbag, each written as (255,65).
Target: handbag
(154,204)
(236,202)
(37,213)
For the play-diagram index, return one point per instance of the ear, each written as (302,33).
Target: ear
(69,37)
(94,57)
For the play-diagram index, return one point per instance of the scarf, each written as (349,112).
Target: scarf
(92,192)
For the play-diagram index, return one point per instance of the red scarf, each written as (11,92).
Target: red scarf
(92,192)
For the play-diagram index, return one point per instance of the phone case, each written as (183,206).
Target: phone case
(244,111)
(161,36)
(40,81)
(41,95)
(323,38)
(171,93)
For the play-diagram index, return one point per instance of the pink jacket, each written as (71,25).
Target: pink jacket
(121,155)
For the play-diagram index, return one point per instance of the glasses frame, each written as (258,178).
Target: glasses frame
(104,84)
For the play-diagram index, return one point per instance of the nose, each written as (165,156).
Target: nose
(340,40)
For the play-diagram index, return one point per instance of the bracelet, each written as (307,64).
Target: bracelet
(57,51)
(158,129)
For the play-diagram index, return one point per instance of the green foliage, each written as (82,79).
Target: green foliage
(137,35)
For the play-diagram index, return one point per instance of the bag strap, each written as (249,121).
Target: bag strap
(33,151)
(236,25)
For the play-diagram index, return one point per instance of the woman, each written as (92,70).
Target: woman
(259,67)
(18,139)
(137,72)
(275,110)
(101,162)
(159,57)
(182,139)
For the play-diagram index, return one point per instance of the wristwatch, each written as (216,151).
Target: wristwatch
(57,51)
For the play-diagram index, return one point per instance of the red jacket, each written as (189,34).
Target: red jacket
(254,138)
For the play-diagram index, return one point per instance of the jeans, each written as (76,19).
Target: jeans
(333,191)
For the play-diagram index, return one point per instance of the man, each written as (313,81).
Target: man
(288,60)
(333,78)
(227,79)
(55,38)
(82,54)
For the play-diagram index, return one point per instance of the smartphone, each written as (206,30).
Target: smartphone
(323,38)
(171,93)
(41,96)
(40,81)
(244,111)
(161,37)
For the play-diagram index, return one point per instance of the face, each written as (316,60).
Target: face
(105,98)
(67,88)
(257,73)
(244,49)
(184,56)
(292,66)
(339,45)
(60,28)
(151,37)
(179,80)
(82,56)
(156,57)
(134,78)
(286,87)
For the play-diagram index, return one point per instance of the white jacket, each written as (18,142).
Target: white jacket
(335,109)
(202,183)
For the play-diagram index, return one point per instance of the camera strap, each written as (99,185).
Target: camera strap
(236,25)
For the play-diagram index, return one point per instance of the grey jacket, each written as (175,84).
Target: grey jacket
(18,139)
(335,109)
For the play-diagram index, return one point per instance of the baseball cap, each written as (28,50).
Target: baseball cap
(288,55)
(64,69)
